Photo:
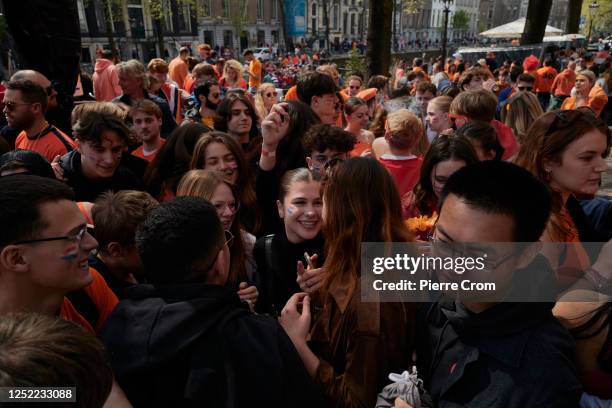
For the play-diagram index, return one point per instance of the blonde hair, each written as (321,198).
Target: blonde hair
(199,183)
(404,129)
(442,103)
(260,106)
(233,65)
(136,69)
(520,112)
(330,70)
(203,184)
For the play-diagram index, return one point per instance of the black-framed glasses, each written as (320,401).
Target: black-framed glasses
(525,88)
(76,237)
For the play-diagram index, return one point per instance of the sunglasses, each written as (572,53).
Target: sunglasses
(525,88)
(271,94)
(354,87)
(11,106)
(565,118)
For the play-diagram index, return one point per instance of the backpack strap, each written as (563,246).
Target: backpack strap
(271,274)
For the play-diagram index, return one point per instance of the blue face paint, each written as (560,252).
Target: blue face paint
(290,210)
(70,257)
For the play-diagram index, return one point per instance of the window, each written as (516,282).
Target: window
(314,25)
(314,9)
(345,23)
(135,18)
(85,55)
(275,39)
(261,38)
(226,8)
(260,10)
(274,10)
(209,37)
(353,28)
(228,38)
(206,9)
(336,16)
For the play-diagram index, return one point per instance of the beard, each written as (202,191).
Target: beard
(210,105)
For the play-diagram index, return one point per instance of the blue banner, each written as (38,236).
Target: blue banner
(295,17)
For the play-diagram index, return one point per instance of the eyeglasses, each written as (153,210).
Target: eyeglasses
(565,118)
(269,95)
(233,207)
(77,237)
(11,106)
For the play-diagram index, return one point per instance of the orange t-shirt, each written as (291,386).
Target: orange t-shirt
(546,77)
(189,83)
(47,142)
(597,101)
(359,148)
(102,297)
(417,69)
(563,83)
(139,152)
(255,69)
(178,71)
(68,312)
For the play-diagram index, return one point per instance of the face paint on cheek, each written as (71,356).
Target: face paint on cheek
(70,257)
(291,210)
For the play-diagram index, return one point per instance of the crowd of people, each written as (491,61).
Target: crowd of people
(194,236)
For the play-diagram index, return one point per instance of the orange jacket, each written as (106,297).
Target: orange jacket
(597,100)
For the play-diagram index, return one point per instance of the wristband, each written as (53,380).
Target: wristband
(267,153)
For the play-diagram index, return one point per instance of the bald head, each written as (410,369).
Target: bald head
(39,79)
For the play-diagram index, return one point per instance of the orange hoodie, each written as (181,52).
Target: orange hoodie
(106,81)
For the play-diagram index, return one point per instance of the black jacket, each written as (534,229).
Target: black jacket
(277,275)
(89,190)
(197,345)
(512,355)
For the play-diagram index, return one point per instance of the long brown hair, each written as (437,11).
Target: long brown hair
(203,183)
(547,139)
(520,112)
(355,215)
(244,183)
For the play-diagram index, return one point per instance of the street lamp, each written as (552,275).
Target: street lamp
(447,4)
(592,7)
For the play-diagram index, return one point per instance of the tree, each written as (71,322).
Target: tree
(536,20)
(573,16)
(412,6)
(461,21)
(378,53)
(238,13)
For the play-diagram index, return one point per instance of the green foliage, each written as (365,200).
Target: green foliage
(238,14)
(461,20)
(355,62)
(412,6)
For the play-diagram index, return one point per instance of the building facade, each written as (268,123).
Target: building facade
(471,8)
(347,19)
(235,24)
